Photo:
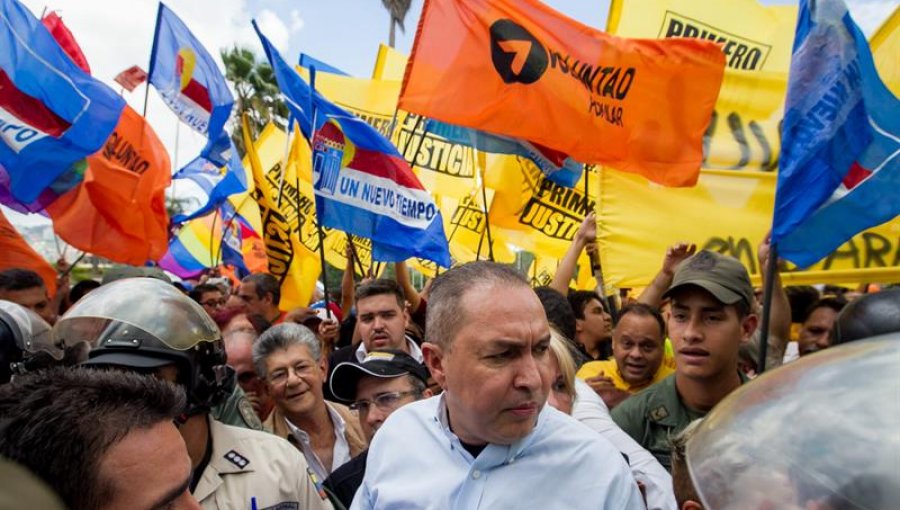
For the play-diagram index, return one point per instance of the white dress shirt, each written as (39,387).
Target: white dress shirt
(416,461)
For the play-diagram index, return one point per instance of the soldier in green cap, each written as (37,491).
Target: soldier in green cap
(710,316)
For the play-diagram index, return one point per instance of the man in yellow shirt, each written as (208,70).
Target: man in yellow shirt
(638,352)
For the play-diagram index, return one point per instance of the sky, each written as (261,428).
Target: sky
(115,35)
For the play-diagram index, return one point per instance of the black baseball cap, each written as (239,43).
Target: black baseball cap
(385,364)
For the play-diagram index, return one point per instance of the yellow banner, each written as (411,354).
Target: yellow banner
(756,40)
(389,64)
(285,207)
(336,252)
(533,212)
(885,45)
(727,212)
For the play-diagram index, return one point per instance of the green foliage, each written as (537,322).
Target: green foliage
(257,92)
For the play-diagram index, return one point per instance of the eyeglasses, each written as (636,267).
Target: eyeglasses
(280,376)
(214,303)
(384,401)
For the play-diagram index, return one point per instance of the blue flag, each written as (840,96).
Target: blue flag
(189,81)
(558,167)
(308,61)
(217,182)
(840,163)
(363,186)
(52,114)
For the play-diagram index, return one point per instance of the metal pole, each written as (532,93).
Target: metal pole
(771,269)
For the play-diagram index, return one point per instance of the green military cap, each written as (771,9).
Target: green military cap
(722,276)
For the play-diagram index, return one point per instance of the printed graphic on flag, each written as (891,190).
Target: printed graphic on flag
(188,78)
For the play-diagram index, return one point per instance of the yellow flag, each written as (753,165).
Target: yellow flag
(281,205)
(885,44)
(535,213)
(389,64)
(336,252)
(542,270)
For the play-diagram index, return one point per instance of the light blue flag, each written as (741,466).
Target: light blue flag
(363,186)
(189,81)
(558,167)
(218,183)
(840,165)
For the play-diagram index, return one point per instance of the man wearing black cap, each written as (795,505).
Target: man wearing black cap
(381,383)
(711,315)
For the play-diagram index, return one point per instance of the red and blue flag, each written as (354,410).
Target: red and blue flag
(840,163)
(190,82)
(363,186)
(52,113)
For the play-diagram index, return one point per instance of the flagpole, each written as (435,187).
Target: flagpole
(146,97)
(771,269)
(312,135)
(212,238)
(487,221)
(354,257)
(152,66)
(409,141)
(175,155)
(596,267)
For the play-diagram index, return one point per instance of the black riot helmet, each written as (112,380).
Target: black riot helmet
(25,340)
(869,315)
(143,324)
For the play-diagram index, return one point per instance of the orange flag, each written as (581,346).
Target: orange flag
(119,210)
(518,68)
(16,252)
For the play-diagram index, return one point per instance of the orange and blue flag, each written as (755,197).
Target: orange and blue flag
(840,163)
(362,184)
(189,81)
(52,113)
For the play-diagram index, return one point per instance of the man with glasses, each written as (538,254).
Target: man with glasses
(210,297)
(384,381)
(289,358)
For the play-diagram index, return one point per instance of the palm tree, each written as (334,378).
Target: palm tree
(398,10)
(257,92)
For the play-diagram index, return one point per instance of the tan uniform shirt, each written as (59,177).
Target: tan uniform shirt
(248,464)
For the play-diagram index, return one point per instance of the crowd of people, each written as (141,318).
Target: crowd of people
(477,391)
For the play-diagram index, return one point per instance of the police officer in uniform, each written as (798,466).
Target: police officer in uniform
(145,325)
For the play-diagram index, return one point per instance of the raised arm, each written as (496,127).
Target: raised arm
(412,295)
(586,234)
(676,253)
(780,310)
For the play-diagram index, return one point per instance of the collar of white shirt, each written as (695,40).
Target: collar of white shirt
(414,350)
(341,451)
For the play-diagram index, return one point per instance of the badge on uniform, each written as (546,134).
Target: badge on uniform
(659,413)
(237,459)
